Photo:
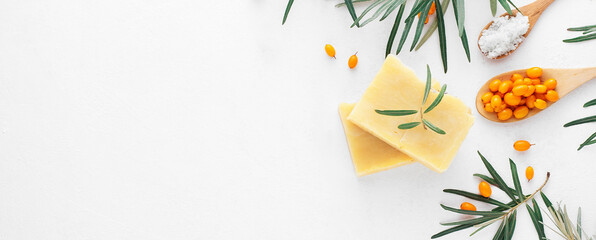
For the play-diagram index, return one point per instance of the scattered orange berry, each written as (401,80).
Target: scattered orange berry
(522,145)
(467,206)
(529,173)
(552,96)
(540,104)
(484,189)
(330,50)
(534,72)
(505,114)
(494,85)
(353,61)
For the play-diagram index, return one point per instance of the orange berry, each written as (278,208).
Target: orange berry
(487,97)
(467,206)
(521,112)
(522,145)
(550,84)
(541,88)
(534,72)
(496,101)
(527,81)
(516,76)
(488,107)
(518,82)
(552,96)
(330,50)
(494,85)
(529,174)
(530,101)
(505,86)
(540,96)
(500,108)
(505,114)
(522,102)
(484,189)
(353,61)
(531,90)
(535,81)
(540,104)
(511,99)
(520,90)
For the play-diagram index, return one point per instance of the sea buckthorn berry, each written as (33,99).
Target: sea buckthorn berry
(467,206)
(540,96)
(534,72)
(522,102)
(522,145)
(550,84)
(500,94)
(487,97)
(511,99)
(520,90)
(530,101)
(531,90)
(494,85)
(505,114)
(516,76)
(353,61)
(488,107)
(552,96)
(505,86)
(496,101)
(500,108)
(529,173)
(527,81)
(521,112)
(484,189)
(518,82)
(540,104)
(535,81)
(540,88)
(330,50)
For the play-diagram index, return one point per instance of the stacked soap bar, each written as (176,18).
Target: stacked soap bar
(375,142)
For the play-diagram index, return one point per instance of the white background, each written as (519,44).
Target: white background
(186,119)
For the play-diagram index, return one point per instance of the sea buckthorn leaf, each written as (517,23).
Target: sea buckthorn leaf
(420,25)
(579,222)
(499,233)
(396,112)
(451,230)
(491,181)
(442,38)
(433,127)
(584,28)
(394,29)
(511,224)
(588,141)
(428,83)
(538,214)
(392,8)
(493,7)
(590,103)
(288,7)
(581,38)
(536,222)
(516,182)
(350,7)
(366,10)
(476,197)
(512,4)
(437,99)
(498,178)
(506,6)
(379,11)
(408,125)
(418,6)
(404,34)
(547,202)
(463,36)
(459,8)
(467,212)
(474,221)
(432,28)
(581,121)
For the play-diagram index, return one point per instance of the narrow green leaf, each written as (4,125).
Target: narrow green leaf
(538,214)
(433,127)
(506,6)
(404,34)
(442,38)
(546,200)
(352,11)
(394,29)
(579,222)
(581,38)
(428,84)
(512,4)
(288,7)
(483,226)
(584,28)
(512,221)
(437,99)
(588,141)
(433,27)
(474,221)
(499,233)
(420,24)
(581,121)
(509,204)
(417,8)
(536,222)
(498,178)
(476,197)
(460,15)
(408,125)
(392,8)
(590,103)
(377,13)
(476,213)
(366,10)
(516,182)
(396,112)
(493,7)
(451,230)
(463,36)
(491,181)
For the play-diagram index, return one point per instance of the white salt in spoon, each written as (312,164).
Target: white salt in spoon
(532,11)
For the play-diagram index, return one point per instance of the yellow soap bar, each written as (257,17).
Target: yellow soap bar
(369,154)
(396,87)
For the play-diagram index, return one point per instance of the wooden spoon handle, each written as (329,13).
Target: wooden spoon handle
(574,78)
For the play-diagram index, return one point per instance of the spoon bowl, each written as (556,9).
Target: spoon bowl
(567,81)
(532,10)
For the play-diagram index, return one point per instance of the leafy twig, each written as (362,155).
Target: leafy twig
(588,34)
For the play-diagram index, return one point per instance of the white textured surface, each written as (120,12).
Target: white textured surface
(147,119)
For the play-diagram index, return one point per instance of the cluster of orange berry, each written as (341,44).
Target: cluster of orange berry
(516,96)
(352,61)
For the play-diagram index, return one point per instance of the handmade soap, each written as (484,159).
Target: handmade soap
(369,154)
(396,87)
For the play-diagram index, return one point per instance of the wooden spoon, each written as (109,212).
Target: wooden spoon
(532,10)
(567,81)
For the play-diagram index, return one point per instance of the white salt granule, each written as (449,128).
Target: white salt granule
(503,35)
